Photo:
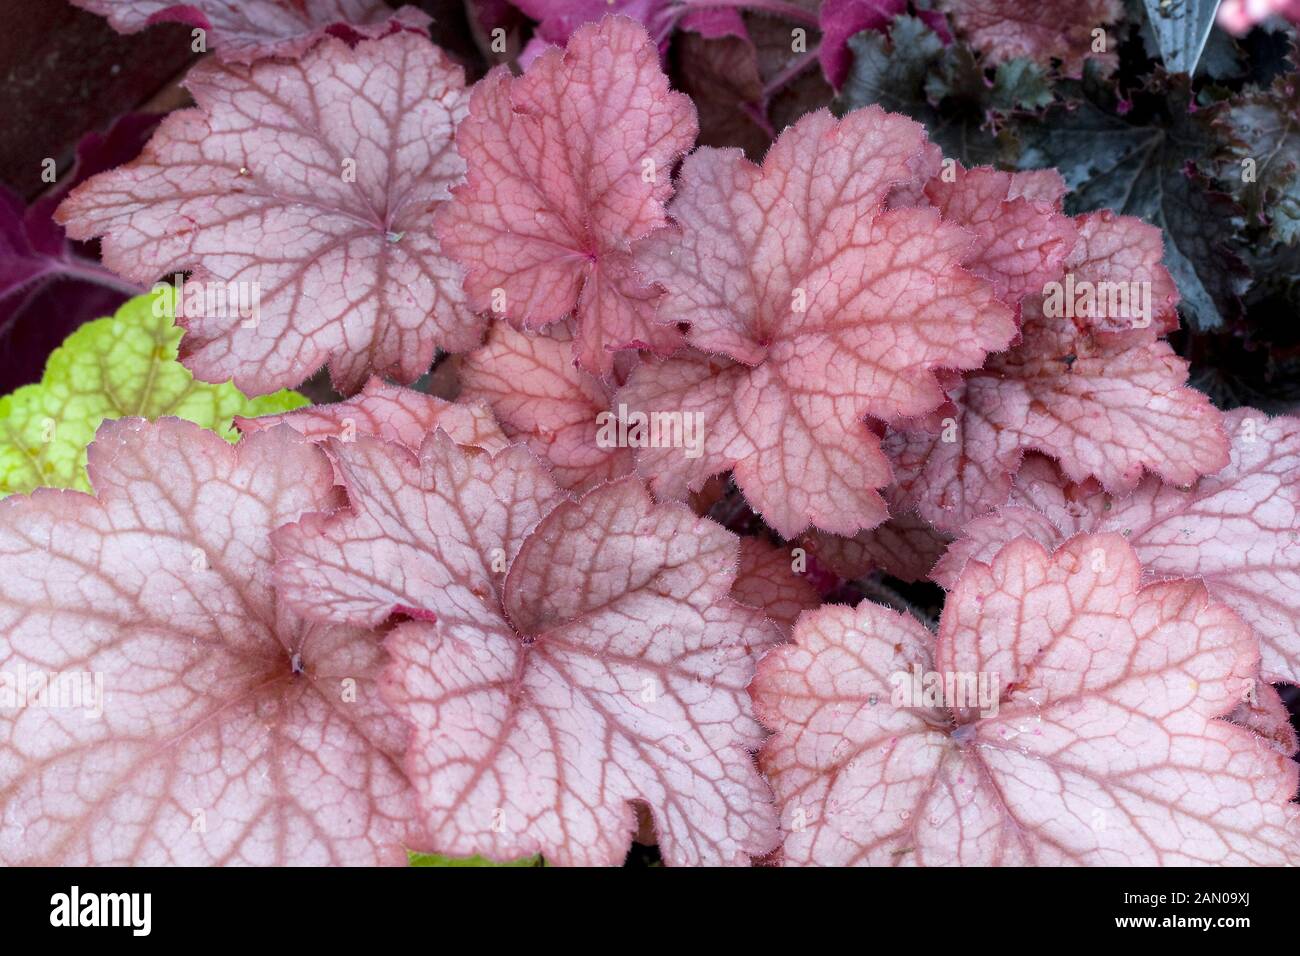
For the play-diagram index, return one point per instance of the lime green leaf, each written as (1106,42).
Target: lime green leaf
(120,366)
(433,859)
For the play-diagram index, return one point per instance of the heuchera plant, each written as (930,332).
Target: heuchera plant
(844,504)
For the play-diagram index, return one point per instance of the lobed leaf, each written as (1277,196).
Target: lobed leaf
(1237,530)
(1099,743)
(567,166)
(222,728)
(1099,392)
(562,663)
(306,189)
(540,396)
(1042,32)
(392,413)
(821,307)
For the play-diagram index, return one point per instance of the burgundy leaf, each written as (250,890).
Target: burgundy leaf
(48,286)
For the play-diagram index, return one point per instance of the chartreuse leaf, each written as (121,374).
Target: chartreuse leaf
(434,859)
(115,367)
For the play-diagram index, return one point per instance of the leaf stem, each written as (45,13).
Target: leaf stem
(85,271)
(789,73)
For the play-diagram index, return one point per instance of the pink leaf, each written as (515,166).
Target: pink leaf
(767,580)
(607,666)
(829,308)
(1265,713)
(1098,742)
(1237,530)
(1022,241)
(1106,401)
(568,165)
(242,31)
(392,413)
(1043,31)
(540,396)
(905,546)
(232,731)
(307,187)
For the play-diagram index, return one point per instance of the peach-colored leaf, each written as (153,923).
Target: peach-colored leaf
(390,412)
(767,580)
(1022,240)
(567,166)
(828,308)
(1099,392)
(540,396)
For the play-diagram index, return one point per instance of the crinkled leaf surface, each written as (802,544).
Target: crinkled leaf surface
(232,731)
(1022,236)
(906,547)
(246,30)
(607,666)
(766,579)
(311,184)
(541,396)
(1104,748)
(1043,31)
(568,165)
(821,308)
(392,413)
(123,366)
(1264,128)
(1238,530)
(1104,396)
